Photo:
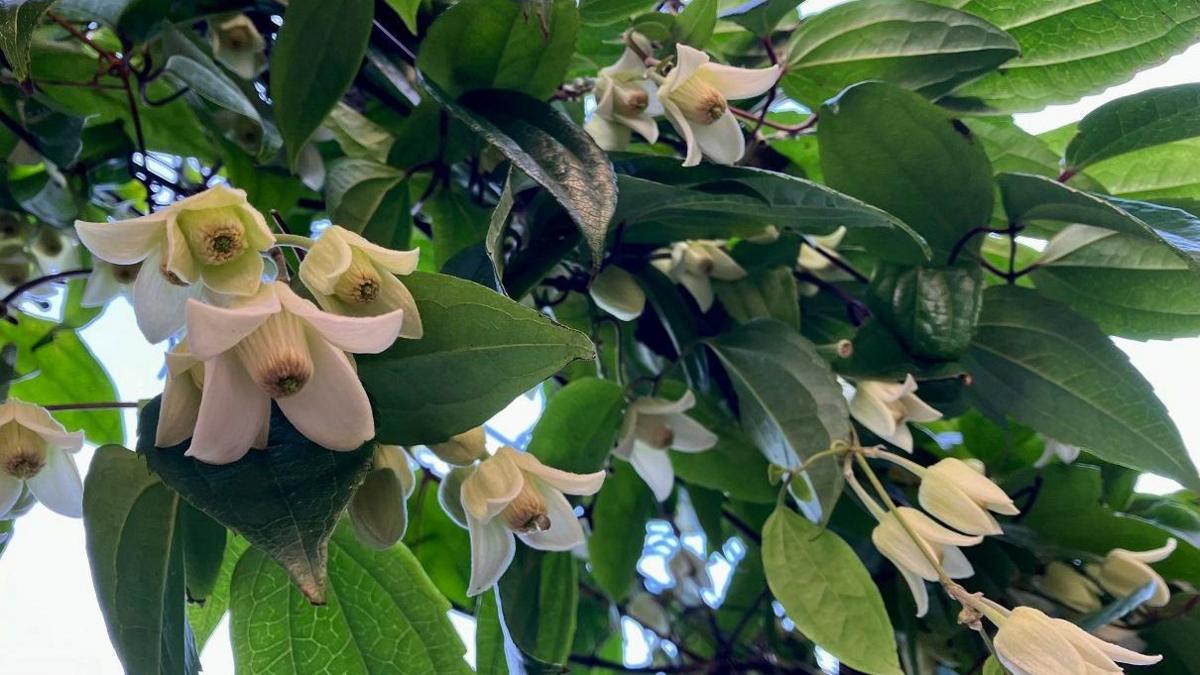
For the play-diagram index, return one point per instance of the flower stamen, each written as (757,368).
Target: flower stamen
(527,513)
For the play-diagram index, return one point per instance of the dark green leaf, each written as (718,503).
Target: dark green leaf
(605,12)
(538,597)
(497,226)
(912,44)
(479,352)
(132,525)
(770,293)
(828,593)
(578,428)
(441,544)
(355,190)
(18,18)
(313,62)
(284,499)
(932,310)
(524,48)
(203,551)
(489,638)
(694,25)
(619,516)
(1049,368)
(891,148)
(762,16)
(204,618)
(1159,173)
(1129,123)
(789,401)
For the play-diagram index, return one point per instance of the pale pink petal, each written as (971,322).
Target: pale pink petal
(355,334)
(214,330)
(492,551)
(232,412)
(58,485)
(332,409)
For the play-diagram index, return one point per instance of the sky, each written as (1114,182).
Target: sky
(50,623)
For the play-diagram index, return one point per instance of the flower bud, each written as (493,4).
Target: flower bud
(1123,572)
(961,497)
(276,356)
(1062,583)
(616,291)
(462,449)
(630,100)
(379,511)
(238,44)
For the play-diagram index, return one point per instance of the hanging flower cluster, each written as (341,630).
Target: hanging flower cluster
(36,461)
(691,91)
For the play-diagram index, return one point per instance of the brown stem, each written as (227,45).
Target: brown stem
(99,405)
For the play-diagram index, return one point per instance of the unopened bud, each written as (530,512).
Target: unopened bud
(276,355)
(215,236)
(630,100)
(527,512)
(22,452)
(378,511)
(16,266)
(462,449)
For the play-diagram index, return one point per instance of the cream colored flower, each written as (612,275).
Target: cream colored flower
(211,240)
(379,509)
(1065,453)
(54,250)
(237,44)
(351,276)
(279,346)
(625,100)
(1030,643)
(108,281)
(694,264)
(1123,572)
(958,495)
(1066,585)
(695,97)
(512,493)
(462,449)
(650,428)
(885,407)
(181,399)
(616,291)
(894,542)
(35,452)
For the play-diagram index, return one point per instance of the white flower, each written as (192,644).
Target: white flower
(894,542)
(276,345)
(349,275)
(1064,584)
(107,281)
(462,449)
(695,97)
(651,427)
(181,399)
(511,493)
(237,43)
(1065,453)
(35,452)
(1123,572)
(815,259)
(958,495)
(379,509)
(211,240)
(55,251)
(625,100)
(1030,643)
(884,408)
(616,291)
(694,264)
(18,266)
(692,580)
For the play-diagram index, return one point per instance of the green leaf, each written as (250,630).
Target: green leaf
(579,426)
(1163,172)
(891,148)
(550,149)
(458,224)
(605,12)
(479,352)
(204,618)
(694,25)
(512,46)
(1129,123)
(132,524)
(914,45)
(382,615)
(357,135)
(762,16)
(1012,149)
(355,190)
(314,60)
(284,499)
(497,227)
(1049,368)
(828,593)
(407,10)
(18,18)
(489,638)
(789,401)
(770,293)
(442,546)
(932,310)
(203,551)
(1069,50)
(619,516)
(1130,286)
(538,597)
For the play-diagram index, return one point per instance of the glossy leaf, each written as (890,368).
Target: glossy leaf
(1049,368)
(827,592)
(578,427)
(1160,173)
(909,43)
(355,190)
(284,499)
(490,641)
(18,18)
(1142,120)
(933,310)
(619,516)
(538,597)
(479,352)
(694,25)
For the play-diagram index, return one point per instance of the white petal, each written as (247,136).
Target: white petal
(919,411)
(332,409)
(177,256)
(724,267)
(955,562)
(654,466)
(158,304)
(690,435)
(627,435)
(565,532)
(1122,655)
(738,83)
(123,242)
(58,485)
(233,411)
(393,294)
(355,334)
(492,551)
(396,262)
(1028,641)
(180,408)
(901,438)
(326,261)
(10,492)
(615,291)
(609,135)
(491,486)
(920,593)
(946,502)
(214,330)
(1154,555)
(722,141)
(645,125)
(933,532)
(684,127)
(38,420)
(688,60)
(101,286)
(563,481)
(650,405)
(872,412)
(701,289)
(240,276)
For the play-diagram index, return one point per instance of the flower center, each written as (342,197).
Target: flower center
(361,282)
(630,100)
(125,274)
(276,356)
(697,261)
(22,452)
(527,512)
(661,437)
(215,236)
(237,39)
(700,101)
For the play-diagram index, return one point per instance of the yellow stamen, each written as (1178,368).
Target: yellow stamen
(527,512)
(361,282)
(22,452)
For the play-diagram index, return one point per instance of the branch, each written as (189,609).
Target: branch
(99,405)
(34,283)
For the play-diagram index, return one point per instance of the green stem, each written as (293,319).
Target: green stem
(294,240)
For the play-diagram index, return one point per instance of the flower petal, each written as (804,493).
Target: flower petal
(393,294)
(946,502)
(10,492)
(564,533)
(722,141)
(700,286)
(180,408)
(651,405)
(240,276)
(232,412)
(491,486)
(688,61)
(931,531)
(683,126)
(645,125)
(213,330)
(358,335)
(1153,555)
(124,242)
(492,551)
(395,262)
(177,256)
(58,485)
(654,466)
(724,266)
(158,305)
(326,261)
(38,420)
(615,291)
(690,435)
(872,411)
(955,562)
(101,287)
(331,409)
(738,83)
(920,593)
(564,481)
(1028,641)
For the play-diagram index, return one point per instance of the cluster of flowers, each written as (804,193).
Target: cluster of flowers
(693,93)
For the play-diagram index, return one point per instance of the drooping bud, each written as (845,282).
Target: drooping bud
(616,291)
(527,512)
(215,236)
(378,511)
(22,452)
(630,100)
(462,449)
(16,265)
(1064,584)
(361,282)
(276,355)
